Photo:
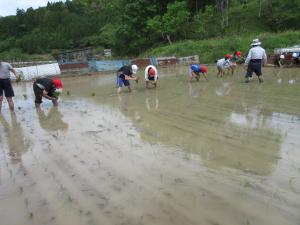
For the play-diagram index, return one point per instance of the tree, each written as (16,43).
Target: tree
(173,22)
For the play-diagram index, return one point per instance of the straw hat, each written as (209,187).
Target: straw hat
(255,42)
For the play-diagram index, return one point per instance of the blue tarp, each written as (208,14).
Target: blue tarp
(107,65)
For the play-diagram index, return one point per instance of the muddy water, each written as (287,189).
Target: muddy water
(218,152)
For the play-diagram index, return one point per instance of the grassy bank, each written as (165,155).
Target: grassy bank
(212,49)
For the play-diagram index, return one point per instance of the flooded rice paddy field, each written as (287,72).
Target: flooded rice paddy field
(220,152)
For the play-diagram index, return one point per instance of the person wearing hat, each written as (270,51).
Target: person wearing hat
(47,88)
(255,59)
(124,75)
(296,58)
(196,70)
(223,64)
(278,61)
(237,58)
(151,76)
(5,84)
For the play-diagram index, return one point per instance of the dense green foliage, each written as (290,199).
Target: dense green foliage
(130,27)
(212,49)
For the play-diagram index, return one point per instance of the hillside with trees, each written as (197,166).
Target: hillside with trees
(133,27)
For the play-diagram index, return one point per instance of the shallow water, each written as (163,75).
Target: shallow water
(218,152)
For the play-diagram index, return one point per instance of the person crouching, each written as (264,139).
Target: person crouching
(196,70)
(223,64)
(151,76)
(47,88)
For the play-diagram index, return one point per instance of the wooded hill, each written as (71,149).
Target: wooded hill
(131,27)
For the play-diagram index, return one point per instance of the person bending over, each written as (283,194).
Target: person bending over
(196,71)
(47,88)
(124,75)
(151,76)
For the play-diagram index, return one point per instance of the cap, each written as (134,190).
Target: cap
(238,53)
(227,56)
(57,83)
(134,68)
(203,69)
(151,72)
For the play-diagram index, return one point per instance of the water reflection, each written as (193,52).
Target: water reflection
(225,88)
(201,127)
(204,126)
(52,121)
(196,90)
(17,143)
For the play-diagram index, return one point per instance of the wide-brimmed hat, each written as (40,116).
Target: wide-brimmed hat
(255,42)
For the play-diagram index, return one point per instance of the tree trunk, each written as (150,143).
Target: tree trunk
(169,39)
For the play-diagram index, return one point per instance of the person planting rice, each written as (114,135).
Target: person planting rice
(236,59)
(124,75)
(47,88)
(196,70)
(5,84)
(255,59)
(223,64)
(151,76)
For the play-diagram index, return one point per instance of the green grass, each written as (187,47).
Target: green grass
(211,49)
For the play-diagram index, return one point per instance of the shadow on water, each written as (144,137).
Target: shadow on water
(16,141)
(51,121)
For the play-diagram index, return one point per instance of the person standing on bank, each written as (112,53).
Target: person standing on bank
(255,59)
(5,84)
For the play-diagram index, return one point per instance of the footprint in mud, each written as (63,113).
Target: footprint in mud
(130,135)
(168,194)
(179,180)
(117,188)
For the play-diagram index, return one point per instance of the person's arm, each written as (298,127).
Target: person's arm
(18,77)
(45,94)
(204,74)
(248,57)
(129,77)
(265,58)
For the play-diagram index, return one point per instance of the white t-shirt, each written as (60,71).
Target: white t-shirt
(256,52)
(146,72)
(223,63)
(4,70)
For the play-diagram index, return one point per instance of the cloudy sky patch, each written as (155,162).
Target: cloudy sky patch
(9,7)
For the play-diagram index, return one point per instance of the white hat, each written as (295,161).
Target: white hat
(256,42)
(134,68)
(295,55)
(281,56)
